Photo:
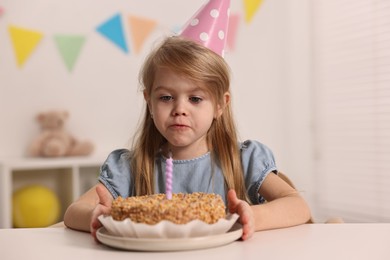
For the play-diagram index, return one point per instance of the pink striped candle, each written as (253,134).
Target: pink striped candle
(168,177)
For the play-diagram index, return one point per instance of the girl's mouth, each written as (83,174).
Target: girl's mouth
(178,126)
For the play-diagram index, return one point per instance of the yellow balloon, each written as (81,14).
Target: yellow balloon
(35,206)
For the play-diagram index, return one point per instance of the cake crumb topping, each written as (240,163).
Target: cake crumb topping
(181,209)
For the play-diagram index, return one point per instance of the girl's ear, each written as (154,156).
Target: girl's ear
(147,98)
(226,101)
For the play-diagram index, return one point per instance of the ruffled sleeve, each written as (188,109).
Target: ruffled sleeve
(115,173)
(258,161)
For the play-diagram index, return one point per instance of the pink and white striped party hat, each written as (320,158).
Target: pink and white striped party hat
(209,25)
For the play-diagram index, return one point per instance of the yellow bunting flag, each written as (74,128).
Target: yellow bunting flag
(24,42)
(251,7)
(140,30)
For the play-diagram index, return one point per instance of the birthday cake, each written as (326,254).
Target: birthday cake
(181,209)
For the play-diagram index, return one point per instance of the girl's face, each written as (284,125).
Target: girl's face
(182,112)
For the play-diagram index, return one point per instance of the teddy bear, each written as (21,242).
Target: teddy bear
(54,140)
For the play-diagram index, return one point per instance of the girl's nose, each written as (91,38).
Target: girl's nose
(179,114)
(179,108)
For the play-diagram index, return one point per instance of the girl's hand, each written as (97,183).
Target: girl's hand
(103,207)
(243,209)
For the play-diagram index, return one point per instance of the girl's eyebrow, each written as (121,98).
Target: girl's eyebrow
(162,87)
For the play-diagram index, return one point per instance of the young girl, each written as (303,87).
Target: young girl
(188,114)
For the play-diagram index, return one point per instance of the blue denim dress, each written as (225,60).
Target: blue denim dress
(195,175)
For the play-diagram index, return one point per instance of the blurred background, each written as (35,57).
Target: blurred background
(310,79)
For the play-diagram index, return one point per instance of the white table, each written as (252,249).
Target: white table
(311,241)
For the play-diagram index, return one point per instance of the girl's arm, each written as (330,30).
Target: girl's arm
(284,207)
(82,214)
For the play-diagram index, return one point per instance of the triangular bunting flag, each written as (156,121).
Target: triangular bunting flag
(112,29)
(69,47)
(140,30)
(24,42)
(232,33)
(176,29)
(251,7)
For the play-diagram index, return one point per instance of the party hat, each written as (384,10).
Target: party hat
(209,25)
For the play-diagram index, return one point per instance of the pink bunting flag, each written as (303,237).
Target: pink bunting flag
(233,27)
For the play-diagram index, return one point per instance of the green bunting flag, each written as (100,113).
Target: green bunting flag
(69,47)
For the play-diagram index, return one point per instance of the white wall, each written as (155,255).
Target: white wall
(270,75)
(298,92)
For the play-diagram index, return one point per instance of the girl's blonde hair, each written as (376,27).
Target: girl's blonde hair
(207,68)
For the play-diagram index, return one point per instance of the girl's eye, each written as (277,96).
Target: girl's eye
(166,98)
(195,100)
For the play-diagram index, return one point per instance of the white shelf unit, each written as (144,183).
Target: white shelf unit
(68,177)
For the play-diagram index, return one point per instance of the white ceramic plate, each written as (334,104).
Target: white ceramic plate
(169,244)
(167,229)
